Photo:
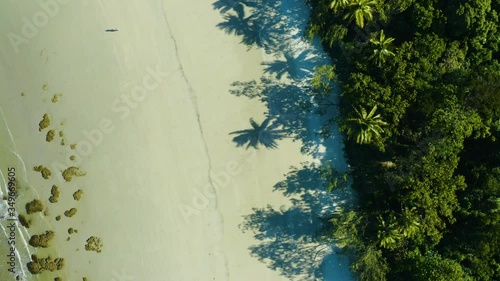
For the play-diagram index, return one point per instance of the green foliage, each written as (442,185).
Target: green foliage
(483,92)
(395,230)
(365,127)
(371,265)
(388,233)
(453,58)
(346,232)
(434,214)
(428,17)
(360,11)
(339,4)
(382,49)
(323,79)
(333,178)
(362,90)
(434,267)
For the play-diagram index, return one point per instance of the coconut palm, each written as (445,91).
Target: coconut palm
(409,223)
(265,134)
(361,11)
(338,4)
(383,48)
(365,126)
(388,233)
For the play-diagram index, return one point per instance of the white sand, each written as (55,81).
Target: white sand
(155,160)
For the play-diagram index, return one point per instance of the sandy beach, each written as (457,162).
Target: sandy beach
(150,110)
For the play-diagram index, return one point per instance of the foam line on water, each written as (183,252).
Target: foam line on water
(21,269)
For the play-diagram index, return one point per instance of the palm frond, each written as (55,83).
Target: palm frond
(372,112)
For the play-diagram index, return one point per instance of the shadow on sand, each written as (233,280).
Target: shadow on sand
(265,134)
(293,66)
(293,240)
(260,23)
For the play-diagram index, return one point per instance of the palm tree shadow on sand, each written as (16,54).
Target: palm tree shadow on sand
(288,104)
(224,6)
(238,23)
(264,27)
(265,134)
(292,240)
(295,240)
(293,66)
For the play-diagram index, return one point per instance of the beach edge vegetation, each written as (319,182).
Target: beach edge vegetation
(420,107)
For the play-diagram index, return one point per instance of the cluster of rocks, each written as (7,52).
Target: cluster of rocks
(38,265)
(94,244)
(55,194)
(42,240)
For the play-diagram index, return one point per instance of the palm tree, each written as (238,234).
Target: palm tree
(365,126)
(338,4)
(383,48)
(393,230)
(409,225)
(361,11)
(388,233)
(265,134)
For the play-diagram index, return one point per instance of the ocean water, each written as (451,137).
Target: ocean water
(14,240)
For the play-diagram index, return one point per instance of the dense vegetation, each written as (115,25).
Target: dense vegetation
(420,103)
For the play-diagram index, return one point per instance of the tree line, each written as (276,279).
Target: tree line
(420,107)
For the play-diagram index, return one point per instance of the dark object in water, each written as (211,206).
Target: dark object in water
(112,30)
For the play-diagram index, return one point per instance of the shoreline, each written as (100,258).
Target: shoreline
(170,142)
